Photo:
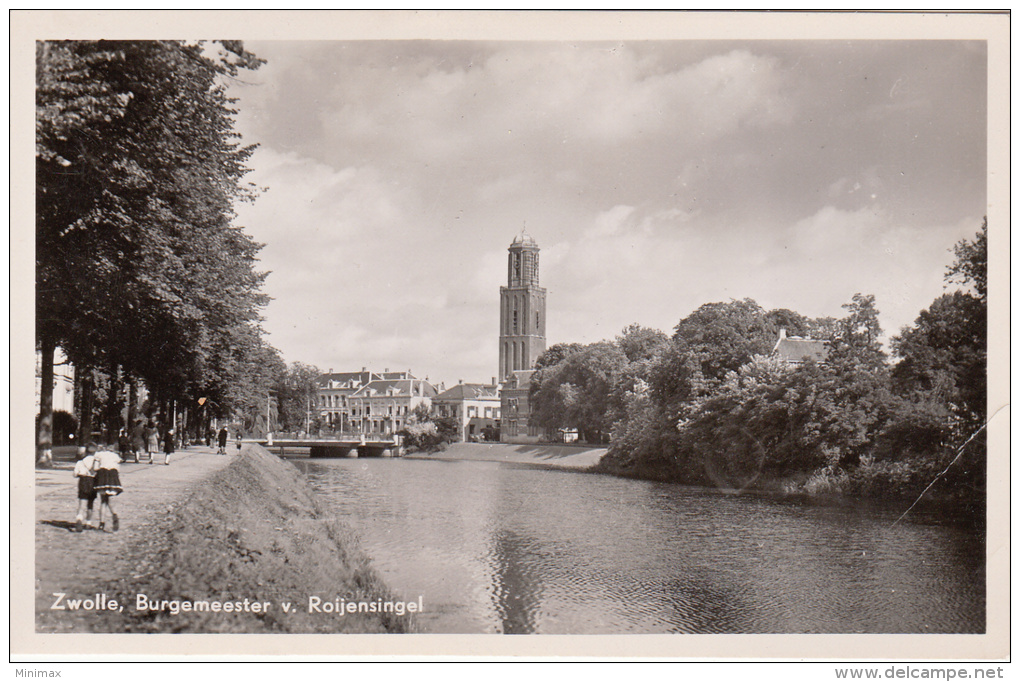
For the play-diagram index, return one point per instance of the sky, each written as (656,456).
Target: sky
(655,176)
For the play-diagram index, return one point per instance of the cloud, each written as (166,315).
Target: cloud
(656,176)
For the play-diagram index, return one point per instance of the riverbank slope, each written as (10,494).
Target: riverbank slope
(205,532)
(544,455)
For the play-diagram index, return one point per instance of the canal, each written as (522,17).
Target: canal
(500,548)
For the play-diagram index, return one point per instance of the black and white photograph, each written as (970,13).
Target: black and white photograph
(471,324)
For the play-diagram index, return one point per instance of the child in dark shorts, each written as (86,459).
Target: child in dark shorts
(85,472)
(108,484)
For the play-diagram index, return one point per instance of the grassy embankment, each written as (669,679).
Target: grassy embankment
(861,488)
(255,531)
(546,455)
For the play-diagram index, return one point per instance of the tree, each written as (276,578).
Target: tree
(794,323)
(297,391)
(641,346)
(555,354)
(725,336)
(971,264)
(774,420)
(857,334)
(944,354)
(575,393)
(825,328)
(137,168)
(428,432)
(641,343)
(941,380)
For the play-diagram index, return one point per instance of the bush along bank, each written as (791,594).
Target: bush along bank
(745,398)
(251,540)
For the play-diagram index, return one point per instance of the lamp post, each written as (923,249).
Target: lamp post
(269,428)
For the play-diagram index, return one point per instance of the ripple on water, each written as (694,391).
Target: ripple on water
(494,548)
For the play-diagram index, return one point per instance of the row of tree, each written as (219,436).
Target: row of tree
(711,404)
(142,280)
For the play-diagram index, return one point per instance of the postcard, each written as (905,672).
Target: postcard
(634,335)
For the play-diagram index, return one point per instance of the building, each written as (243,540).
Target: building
(63,383)
(475,406)
(521,309)
(521,338)
(336,389)
(795,350)
(515,406)
(384,405)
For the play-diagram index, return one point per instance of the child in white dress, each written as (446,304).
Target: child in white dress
(108,484)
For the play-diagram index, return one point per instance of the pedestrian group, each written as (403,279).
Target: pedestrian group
(98,469)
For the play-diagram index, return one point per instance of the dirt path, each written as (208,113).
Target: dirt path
(80,564)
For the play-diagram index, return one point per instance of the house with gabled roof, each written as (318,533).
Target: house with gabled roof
(336,388)
(795,350)
(383,406)
(476,407)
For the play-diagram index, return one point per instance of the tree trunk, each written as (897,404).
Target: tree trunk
(44,436)
(79,439)
(87,383)
(132,407)
(113,407)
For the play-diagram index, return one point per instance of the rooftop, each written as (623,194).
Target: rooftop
(469,392)
(524,239)
(396,387)
(794,349)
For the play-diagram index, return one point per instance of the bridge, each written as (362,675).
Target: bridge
(341,447)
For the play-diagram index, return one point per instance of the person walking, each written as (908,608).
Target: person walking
(137,439)
(108,485)
(85,472)
(222,441)
(239,441)
(168,446)
(123,444)
(151,439)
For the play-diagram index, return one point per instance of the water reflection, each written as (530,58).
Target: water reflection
(503,549)
(516,587)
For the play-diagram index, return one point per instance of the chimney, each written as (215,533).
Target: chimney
(493,381)
(386,370)
(364,369)
(460,382)
(330,370)
(782,333)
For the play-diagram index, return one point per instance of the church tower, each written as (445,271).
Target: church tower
(521,309)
